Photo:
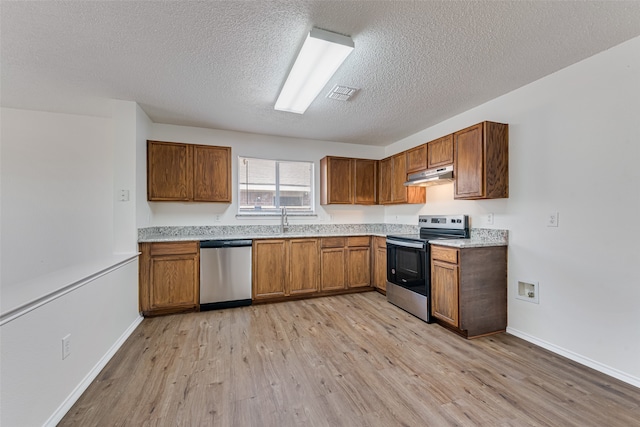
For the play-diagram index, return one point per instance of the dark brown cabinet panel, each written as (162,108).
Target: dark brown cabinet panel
(481,161)
(269,268)
(348,181)
(332,269)
(393,175)
(212,174)
(366,173)
(336,180)
(380,263)
(345,262)
(417,158)
(440,152)
(284,268)
(188,172)
(469,289)
(169,279)
(169,175)
(304,266)
(384,180)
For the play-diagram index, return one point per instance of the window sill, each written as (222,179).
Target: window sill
(275,215)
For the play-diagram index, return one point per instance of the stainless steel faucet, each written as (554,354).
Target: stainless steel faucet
(284,221)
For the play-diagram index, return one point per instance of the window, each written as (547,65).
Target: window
(266,186)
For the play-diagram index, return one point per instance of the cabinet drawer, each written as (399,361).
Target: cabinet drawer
(444,254)
(174,248)
(333,242)
(358,241)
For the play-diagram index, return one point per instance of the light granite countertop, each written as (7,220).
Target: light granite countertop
(480,237)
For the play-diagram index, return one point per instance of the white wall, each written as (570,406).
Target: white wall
(61,225)
(263,146)
(57,180)
(574,149)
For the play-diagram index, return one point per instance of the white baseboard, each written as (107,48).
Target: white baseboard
(612,372)
(62,410)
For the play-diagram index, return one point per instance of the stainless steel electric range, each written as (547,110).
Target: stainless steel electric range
(408,267)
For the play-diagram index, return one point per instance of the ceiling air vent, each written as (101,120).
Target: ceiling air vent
(341,93)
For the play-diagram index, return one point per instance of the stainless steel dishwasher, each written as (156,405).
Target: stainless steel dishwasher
(225,274)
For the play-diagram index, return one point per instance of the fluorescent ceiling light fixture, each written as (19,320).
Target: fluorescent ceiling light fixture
(321,55)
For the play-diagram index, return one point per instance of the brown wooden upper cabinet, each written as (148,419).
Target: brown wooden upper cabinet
(344,180)
(440,152)
(393,175)
(481,161)
(188,172)
(417,158)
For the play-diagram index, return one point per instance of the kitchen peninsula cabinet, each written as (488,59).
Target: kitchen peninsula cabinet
(469,289)
(169,279)
(379,245)
(348,181)
(188,172)
(481,161)
(284,268)
(393,175)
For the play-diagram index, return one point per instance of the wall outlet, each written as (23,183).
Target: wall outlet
(489,218)
(528,291)
(552,219)
(66,346)
(218,218)
(123,195)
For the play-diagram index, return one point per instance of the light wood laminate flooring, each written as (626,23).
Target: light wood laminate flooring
(350,360)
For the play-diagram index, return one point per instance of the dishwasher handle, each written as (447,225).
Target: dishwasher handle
(225,243)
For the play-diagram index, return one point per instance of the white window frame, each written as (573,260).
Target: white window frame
(277,210)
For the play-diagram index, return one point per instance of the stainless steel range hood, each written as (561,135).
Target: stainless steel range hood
(430,177)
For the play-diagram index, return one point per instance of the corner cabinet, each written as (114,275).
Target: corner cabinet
(169,279)
(188,172)
(469,289)
(392,176)
(481,161)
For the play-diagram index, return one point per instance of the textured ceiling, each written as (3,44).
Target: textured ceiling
(221,64)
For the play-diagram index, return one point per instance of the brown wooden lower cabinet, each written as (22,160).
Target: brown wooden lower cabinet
(380,263)
(169,277)
(345,263)
(469,289)
(285,268)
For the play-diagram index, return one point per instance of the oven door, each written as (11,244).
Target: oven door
(407,265)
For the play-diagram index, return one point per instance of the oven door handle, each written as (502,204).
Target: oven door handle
(405,244)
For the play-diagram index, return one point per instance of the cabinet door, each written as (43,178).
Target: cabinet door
(212,174)
(469,162)
(440,152)
(365,181)
(445,291)
(359,267)
(174,282)
(169,171)
(380,263)
(332,269)
(417,158)
(303,266)
(385,179)
(269,268)
(398,190)
(339,180)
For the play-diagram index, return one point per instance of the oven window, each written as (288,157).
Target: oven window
(410,269)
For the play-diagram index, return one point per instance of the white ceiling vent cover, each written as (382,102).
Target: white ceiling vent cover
(342,93)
